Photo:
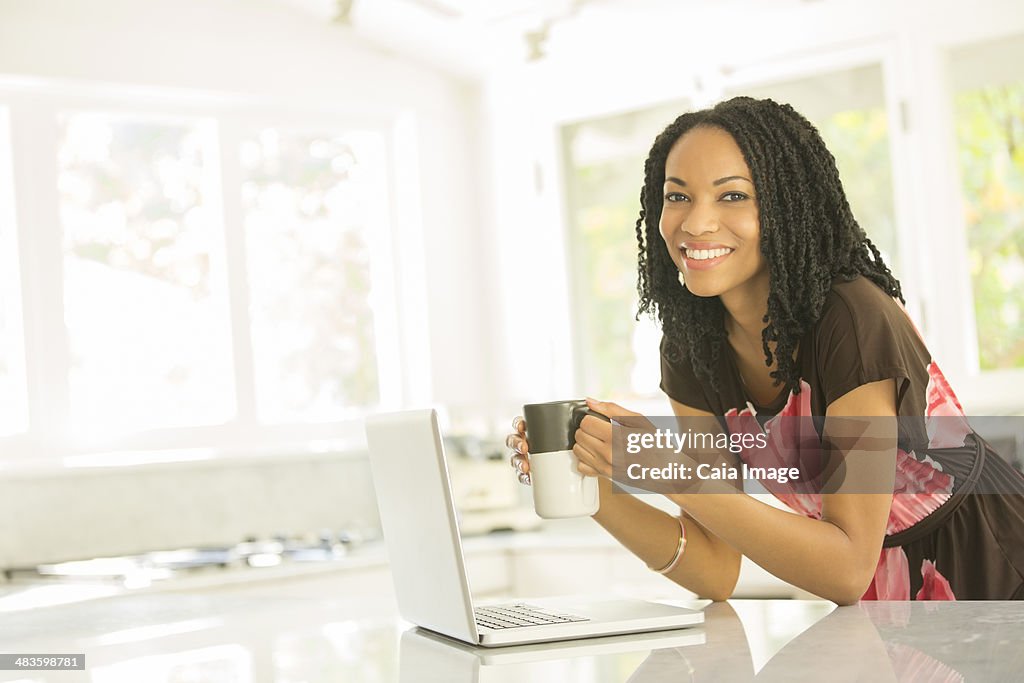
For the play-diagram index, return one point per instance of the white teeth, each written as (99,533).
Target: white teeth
(703,254)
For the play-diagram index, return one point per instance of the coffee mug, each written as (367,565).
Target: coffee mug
(559,490)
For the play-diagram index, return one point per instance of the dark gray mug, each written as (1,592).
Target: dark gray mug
(559,490)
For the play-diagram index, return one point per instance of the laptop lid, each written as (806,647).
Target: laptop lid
(417,514)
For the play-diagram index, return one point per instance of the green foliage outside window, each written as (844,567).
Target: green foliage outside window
(990,133)
(859,140)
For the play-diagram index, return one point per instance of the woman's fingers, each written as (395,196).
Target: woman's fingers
(520,462)
(517,444)
(594,462)
(610,409)
(596,427)
(520,459)
(519,425)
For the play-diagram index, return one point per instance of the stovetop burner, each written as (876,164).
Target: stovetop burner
(165,564)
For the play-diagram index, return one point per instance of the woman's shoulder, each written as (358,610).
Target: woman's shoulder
(862,310)
(858,298)
(865,335)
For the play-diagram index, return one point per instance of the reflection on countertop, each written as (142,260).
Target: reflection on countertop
(187,636)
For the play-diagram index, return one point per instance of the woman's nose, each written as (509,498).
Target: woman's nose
(700,220)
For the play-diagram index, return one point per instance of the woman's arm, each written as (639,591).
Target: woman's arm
(709,566)
(834,557)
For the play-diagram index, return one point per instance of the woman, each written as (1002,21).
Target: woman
(774,303)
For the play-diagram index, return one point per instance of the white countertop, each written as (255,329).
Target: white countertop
(565,535)
(167,637)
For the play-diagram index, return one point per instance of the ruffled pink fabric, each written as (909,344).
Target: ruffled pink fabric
(935,586)
(892,579)
(921,486)
(947,426)
(787,440)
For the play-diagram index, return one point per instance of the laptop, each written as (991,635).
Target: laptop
(417,513)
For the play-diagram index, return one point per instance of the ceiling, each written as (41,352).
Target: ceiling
(471,38)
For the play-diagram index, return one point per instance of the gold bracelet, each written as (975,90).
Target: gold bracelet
(679,551)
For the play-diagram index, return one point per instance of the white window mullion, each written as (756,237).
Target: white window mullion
(229,184)
(947,281)
(47,356)
(14,419)
(399,275)
(911,266)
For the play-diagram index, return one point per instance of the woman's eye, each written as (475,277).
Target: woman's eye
(675,197)
(733,196)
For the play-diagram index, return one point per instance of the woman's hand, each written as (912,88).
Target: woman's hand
(593,446)
(520,459)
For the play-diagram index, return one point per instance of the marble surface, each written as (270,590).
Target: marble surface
(179,637)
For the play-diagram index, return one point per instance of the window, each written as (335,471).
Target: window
(604,161)
(308,201)
(13,395)
(199,278)
(145,303)
(848,108)
(988,108)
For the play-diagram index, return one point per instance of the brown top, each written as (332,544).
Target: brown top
(863,336)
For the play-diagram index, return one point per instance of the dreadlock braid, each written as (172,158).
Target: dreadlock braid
(809,237)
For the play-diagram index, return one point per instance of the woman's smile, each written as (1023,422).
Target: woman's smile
(703,256)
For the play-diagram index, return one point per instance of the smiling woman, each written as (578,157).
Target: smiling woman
(775,305)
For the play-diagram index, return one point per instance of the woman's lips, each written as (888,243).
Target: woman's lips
(702,264)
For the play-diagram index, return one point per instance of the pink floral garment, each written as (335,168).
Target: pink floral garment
(920,487)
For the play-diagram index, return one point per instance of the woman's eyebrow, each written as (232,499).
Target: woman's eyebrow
(720,181)
(731,177)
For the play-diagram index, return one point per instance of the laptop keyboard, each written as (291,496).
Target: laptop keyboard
(514,616)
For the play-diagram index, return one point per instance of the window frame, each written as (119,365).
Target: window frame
(10,266)
(32,106)
(981,385)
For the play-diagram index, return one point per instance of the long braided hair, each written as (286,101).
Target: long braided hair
(809,237)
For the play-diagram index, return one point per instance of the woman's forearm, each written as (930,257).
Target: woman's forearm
(707,568)
(813,554)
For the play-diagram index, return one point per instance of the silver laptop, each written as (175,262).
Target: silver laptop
(417,513)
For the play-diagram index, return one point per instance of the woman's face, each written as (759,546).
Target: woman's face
(709,218)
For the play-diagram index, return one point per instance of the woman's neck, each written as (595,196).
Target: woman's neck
(745,310)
